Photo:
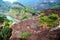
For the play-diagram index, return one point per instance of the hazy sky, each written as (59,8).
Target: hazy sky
(10,0)
(32,1)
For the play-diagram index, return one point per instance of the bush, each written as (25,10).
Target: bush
(48,21)
(53,20)
(25,35)
(5,33)
(53,16)
(5,30)
(24,16)
(2,18)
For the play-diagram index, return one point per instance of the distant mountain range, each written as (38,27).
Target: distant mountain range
(4,6)
(39,5)
(32,2)
(44,6)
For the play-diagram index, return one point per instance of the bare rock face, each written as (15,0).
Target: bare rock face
(37,32)
(55,10)
(52,35)
(29,25)
(46,35)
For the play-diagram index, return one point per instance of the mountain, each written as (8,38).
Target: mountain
(43,6)
(31,2)
(4,6)
(16,9)
(17,5)
(39,5)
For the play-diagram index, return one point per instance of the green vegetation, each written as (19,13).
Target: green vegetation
(21,12)
(14,12)
(5,29)
(18,10)
(23,16)
(48,21)
(25,35)
(53,17)
(5,33)
(2,18)
(29,10)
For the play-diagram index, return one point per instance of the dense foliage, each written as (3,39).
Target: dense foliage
(5,33)
(29,10)
(5,29)
(48,21)
(2,18)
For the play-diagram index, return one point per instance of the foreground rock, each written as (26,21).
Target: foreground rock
(44,35)
(38,33)
(30,25)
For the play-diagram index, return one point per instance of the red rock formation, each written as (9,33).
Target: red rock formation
(49,11)
(30,25)
(38,33)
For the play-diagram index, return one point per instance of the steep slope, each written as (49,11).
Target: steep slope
(44,5)
(19,11)
(31,25)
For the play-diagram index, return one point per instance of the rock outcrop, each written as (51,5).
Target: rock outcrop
(44,35)
(30,25)
(38,33)
(49,11)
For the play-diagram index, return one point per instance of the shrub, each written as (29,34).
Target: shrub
(48,21)
(53,16)
(5,33)
(5,30)
(2,18)
(24,16)
(25,35)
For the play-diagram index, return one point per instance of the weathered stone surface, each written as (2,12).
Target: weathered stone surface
(49,11)
(38,33)
(30,25)
(46,35)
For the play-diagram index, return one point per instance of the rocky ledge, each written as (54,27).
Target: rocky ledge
(38,33)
